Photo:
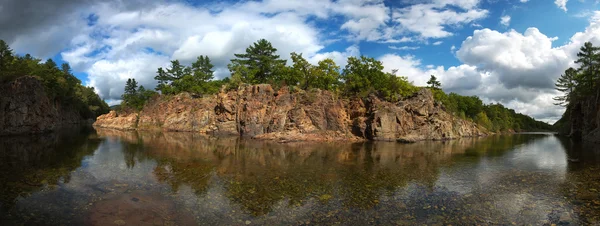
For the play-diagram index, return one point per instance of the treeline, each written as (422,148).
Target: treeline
(494,117)
(584,81)
(59,82)
(362,76)
(260,64)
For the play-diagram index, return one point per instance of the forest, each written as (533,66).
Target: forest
(362,76)
(60,84)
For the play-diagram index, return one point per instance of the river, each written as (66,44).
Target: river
(84,176)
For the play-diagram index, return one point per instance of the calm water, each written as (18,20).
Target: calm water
(107,177)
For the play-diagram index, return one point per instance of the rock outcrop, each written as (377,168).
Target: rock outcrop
(26,108)
(582,120)
(261,112)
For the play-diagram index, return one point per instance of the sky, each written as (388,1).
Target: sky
(504,51)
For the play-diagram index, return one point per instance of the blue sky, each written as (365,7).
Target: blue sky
(505,51)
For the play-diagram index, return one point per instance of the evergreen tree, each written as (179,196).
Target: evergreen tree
(566,84)
(434,83)
(260,59)
(166,77)
(202,69)
(588,66)
(130,87)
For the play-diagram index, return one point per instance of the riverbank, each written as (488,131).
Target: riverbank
(285,115)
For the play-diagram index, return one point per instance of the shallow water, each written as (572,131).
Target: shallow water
(107,177)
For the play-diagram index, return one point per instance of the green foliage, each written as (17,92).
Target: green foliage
(365,75)
(135,97)
(566,84)
(434,83)
(581,82)
(493,117)
(196,79)
(259,64)
(60,84)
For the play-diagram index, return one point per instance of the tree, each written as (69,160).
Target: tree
(202,69)
(302,72)
(260,59)
(326,75)
(59,83)
(166,77)
(130,87)
(566,84)
(363,75)
(434,83)
(6,59)
(588,65)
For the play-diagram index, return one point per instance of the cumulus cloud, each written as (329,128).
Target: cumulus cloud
(505,20)
(431,20)
(512,68)
(135,42)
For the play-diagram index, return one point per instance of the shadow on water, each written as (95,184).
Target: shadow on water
(183,178)
(30,164)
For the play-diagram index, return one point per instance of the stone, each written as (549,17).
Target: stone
(260,112)
(26,108)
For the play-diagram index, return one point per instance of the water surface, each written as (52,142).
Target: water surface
(108,177)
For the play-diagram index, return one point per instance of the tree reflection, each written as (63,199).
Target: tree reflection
(258,175)
(29,163)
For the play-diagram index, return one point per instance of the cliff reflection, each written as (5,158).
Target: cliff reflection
(259,175)
(31,163)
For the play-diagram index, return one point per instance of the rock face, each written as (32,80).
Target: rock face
(261,112)
(583,120)
(25,108)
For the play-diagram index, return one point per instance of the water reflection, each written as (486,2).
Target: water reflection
(183,178)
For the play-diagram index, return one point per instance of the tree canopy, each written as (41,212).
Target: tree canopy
(581,82)
(196,79)
(59,83)
(259,63)
(434,83)
(361,76)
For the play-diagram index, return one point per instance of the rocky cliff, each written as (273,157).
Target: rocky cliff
(26,108)
(261,112)
(581,120)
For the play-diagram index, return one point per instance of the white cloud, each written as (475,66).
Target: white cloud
(562,4)
(517,59)
(404,47)
(505,20)
(437,43)
(340,58)
(517,70)
(137,42)
(430,20)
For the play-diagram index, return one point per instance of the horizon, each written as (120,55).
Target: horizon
(503,52)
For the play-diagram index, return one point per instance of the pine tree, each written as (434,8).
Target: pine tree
(434,83)
(260,58)
(168,76)
(566,84)
(202,69)
(588,66)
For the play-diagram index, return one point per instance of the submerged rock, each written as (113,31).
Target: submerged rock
(260,112)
